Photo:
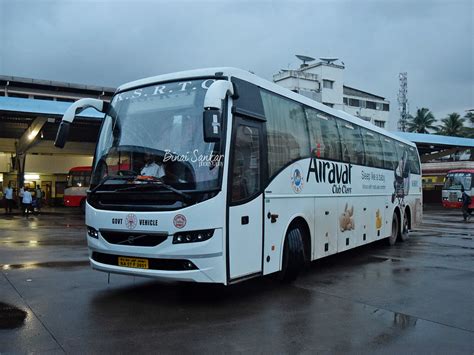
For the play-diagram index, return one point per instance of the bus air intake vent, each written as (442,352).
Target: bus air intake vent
(133,238)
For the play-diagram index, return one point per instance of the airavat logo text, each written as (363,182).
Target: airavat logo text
(340,175)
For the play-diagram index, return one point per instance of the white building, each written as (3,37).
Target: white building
(324,82)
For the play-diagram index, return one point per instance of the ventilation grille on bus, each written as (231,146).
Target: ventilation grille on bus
(133,238)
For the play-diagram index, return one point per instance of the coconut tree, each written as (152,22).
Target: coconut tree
(453,125)
(422,122)
(469,117)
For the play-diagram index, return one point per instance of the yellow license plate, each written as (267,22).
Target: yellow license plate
(133,262)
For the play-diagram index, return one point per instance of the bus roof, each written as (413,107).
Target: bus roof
(252,78)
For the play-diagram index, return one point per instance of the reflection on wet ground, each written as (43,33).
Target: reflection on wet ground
(415,297)
(11,317)
(49,264)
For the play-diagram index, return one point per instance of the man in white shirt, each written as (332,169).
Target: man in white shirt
(8,193)
(151,168)
(26,201)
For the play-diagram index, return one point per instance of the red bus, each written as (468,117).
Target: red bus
(78,182)
(455,179)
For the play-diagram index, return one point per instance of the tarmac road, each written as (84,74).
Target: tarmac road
(414,297)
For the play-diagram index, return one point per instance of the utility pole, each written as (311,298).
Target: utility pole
(402,102)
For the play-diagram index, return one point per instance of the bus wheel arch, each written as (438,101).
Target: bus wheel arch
(395,227)
(405,225)
(296,250)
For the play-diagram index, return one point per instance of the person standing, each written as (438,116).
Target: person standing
(8,199)
(26,202)
(466,201)
(39,196)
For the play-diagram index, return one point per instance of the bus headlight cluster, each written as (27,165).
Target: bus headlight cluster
(92,232)
(193,236)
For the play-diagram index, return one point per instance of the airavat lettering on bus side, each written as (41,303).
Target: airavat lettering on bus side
(206,176)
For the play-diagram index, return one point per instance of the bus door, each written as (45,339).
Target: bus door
(245,237)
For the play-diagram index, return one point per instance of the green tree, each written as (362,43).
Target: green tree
(469,116)
(422,122)
(453,125)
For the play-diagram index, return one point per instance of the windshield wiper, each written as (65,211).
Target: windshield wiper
(153,181)
(110,177)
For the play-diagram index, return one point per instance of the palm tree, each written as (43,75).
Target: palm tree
(470,116)
(422,122)
(453,125)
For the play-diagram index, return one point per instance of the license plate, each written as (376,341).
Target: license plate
(133,262)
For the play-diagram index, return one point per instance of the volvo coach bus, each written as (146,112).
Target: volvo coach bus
(225,176)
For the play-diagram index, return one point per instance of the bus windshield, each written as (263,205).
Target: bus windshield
(454,181)
(157,131)
(79,178)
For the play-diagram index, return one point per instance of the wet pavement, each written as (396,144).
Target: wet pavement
(416,297)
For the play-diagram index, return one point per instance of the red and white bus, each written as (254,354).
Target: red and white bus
(455,179)
(78,181)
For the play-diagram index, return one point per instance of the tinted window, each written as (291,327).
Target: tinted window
(373,148)
(351,143)
(246,167)
(324,135)
(389,153)
(287,131)
(414,160)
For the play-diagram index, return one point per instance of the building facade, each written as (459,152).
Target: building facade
(324,82)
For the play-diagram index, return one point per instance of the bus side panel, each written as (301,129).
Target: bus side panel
(287,209)
(325,230)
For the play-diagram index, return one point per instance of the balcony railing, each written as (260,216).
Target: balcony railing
(294,74)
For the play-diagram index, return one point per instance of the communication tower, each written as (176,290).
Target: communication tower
(402,102)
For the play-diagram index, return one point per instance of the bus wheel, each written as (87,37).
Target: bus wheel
(404,232)
(293,255)
(83,205)
(395,226)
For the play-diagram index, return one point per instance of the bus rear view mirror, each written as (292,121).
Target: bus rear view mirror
(70,114)
(212,125)
(62,135)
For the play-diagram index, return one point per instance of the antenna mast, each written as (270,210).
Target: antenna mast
(403,102)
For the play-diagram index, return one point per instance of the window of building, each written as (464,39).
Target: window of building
(63,99)
(345,100)
(386,107)
(370,104)
(21,96)
(287,131)
(328,104)
(328,84)
(380,124)
(49,98)
(354,102)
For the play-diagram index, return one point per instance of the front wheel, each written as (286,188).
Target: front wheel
(395,227)
(293,255)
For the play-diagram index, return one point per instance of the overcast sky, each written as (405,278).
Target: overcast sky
(107,43)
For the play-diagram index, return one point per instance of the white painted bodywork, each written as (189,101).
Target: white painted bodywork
(315,203)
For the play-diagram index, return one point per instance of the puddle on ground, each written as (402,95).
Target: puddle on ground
(11,317)
(49,264)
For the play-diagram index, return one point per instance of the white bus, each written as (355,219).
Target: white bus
(253,179)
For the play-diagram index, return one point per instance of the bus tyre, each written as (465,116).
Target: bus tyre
(83,205)
(395,228)
(293,255)
(404,232)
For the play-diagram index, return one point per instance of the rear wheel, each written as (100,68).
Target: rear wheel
(395,227)
(293,255)
(404,234)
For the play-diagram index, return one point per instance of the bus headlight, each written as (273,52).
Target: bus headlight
(92,232)
(193,236)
